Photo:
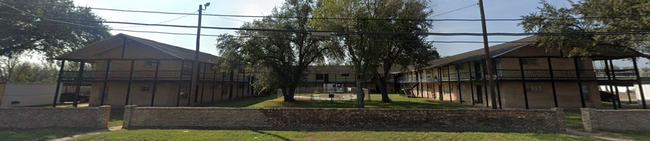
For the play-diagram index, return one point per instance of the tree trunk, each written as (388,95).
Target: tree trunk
(288,94)
(360,94)
(383,87)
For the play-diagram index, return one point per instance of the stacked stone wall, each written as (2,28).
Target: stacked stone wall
(344,119)
(630,120)
(42,117)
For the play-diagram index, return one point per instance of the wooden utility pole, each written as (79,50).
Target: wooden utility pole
(488,62)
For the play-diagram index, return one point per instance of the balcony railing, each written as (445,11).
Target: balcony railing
(538,74)
(149,75)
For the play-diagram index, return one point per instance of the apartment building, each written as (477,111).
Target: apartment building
(525,76)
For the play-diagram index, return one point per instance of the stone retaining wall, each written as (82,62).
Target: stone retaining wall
(347,118)
(43,117)
(634,120)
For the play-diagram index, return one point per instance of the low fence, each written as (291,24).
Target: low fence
(634,120)
(42,117)
(348,118)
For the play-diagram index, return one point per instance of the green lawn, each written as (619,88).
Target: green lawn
(573,120)
(191,134)
(398,102)
(39,134)
(116,118)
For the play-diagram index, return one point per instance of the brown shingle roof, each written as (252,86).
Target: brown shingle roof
(479,54)
(115,41)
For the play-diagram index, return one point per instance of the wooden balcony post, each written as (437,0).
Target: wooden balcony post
(237,84)
(203,82)
(441,92)
(449,83)
(627,91)
(550,70)
(214,82)
(108,68)
(79,80)
(180,84)
(230,84)
(577,68)
(223,87)
(638,80)
(471,81)
(417,80)
(155,82)
(128,88)
(523,81)
(58,84)
(618,98)
(485,83)
(421,88)
(460,95)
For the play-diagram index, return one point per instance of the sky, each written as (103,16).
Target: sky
(509,9)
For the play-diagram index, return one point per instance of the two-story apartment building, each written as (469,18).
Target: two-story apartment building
(124,70)
(525,76)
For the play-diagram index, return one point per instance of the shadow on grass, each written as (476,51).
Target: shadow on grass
(246,102)
(274,135)
(398,102)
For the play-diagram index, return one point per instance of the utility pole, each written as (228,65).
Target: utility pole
(488,59)
(195,64)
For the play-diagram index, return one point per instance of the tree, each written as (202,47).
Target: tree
(579,24)
(52,27)
(367,56)
(14,70)
(280,58)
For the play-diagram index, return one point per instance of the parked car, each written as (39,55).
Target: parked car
(69,97)
(606,96)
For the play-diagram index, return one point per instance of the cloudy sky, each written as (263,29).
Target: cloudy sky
(509,9)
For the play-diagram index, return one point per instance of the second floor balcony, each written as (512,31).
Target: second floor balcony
(139,75)
(540,74)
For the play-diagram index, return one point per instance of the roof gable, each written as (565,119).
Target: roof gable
(118,40)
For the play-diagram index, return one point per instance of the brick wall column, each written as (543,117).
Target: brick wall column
(128,110)
(588,119)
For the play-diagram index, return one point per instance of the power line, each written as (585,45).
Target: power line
(455,10)
(335,18)
(430,41)
(349,32)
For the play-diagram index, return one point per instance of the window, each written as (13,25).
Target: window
(145,89)
(345,74)
(446,90)
(150,63)
(585,93)
(460,67)
(533,88)
(319,76)
(529,61)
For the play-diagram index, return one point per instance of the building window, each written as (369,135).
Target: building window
(460,67)
(145,89)
(585,93)
(149,63)
(319,76)
(533,88)
(529,61)
(184,95)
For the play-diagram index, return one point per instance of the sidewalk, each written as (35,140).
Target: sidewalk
(114,128)
(596,135)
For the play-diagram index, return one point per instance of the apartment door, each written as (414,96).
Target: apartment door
(479,94)
(440,92)
(326,78)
